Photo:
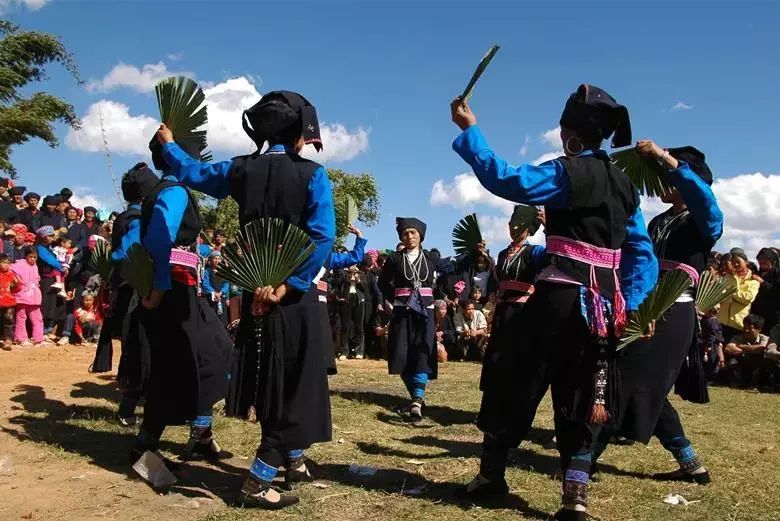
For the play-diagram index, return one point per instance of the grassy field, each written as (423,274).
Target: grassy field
(418,467)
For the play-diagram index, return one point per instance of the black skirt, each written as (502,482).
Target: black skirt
(135,361)
(112,328)
(285,379)
(52,305)
(190,352)
(649,368)
(411,347)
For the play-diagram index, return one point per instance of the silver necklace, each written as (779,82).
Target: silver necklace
(416,269)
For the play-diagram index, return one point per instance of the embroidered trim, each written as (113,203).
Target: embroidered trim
(668,265)
(407,292)
(577,476)
(184,258)
(574,493)
(322,285)
(583,252)
(515,285)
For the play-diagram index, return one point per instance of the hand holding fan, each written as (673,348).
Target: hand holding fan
(648,176)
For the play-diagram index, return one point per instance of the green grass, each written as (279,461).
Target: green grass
(737,436)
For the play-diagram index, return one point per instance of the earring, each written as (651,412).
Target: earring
(568,148)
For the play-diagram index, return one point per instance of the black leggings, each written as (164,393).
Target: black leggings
(7,320)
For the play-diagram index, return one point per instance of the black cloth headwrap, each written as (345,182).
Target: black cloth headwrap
(695,159)
(32,195)
(4,181)
(594,114)
(17,190)
(282,113)
(404,223)
(768,254)
(51,200)
(66,193)
(90,209)
(137,182)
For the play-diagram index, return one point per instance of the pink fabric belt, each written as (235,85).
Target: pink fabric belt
(667,265)
(322,285)
(184,258)
(596,257)
(583,252)
(407,292)
(515,285)
(514,300)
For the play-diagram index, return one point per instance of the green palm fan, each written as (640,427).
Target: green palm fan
(668,290)
(484,62)
(100,260)
(649,177)
(712,291)
(466,235)
(182,107)
(265,253)
(352,210)
(138,270)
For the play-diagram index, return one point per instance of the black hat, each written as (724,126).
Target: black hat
(90,209)
(66,193)
(4,182)
(282,116)
(31,195)
(51,200)
(768,254)
(404,223)
(595,114)
(17,190)
(137,182)
(695,160)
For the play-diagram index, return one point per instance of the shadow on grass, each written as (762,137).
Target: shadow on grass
(440,414)
(395,481)
(108,449)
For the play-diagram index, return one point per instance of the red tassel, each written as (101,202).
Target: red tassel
(598,414)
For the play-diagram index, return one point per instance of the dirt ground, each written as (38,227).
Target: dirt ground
(59,470)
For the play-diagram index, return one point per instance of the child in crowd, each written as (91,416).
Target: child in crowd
(19,238)
(64,251)
(9,285)
(216,289)
(84,325)
(710,340)
(28,299)
(743,355)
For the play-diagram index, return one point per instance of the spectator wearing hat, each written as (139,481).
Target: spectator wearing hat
(66,194)
(17,197)
(219,239)
(19,242)
(736,307)
(767,303)
(76,231)
(49,215)
(27,215)
(7,209)
(91,224)
(215,288)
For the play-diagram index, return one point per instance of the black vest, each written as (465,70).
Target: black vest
(677,238)
(122,225)
(602,199)
(272,185)
(190,223)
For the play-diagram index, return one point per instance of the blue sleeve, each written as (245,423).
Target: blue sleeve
(538,254)
(161,234)
(225,289)
(638,264)
(132,236)
(546,184)
(47,256)
(321,227)
(206,282)
(700,200)
(209,178)
(350,258)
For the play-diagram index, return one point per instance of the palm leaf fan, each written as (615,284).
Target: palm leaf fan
(100,260)
(712,291)
(265,253)
(666,293)
(182,107)
(466,235)
(483,63)
(648,176)
(352,210)
(138,269)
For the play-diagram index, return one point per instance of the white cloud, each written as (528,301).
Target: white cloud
(547,157)
(339,144)
(465,192)
(552,137)
(751,209)
(226,102)
(130,76)
(126,134)
(524,146)
(84,196)
(32,5)
(174,57)
(680,106)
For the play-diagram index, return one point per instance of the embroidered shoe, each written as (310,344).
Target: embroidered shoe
(701,478)
(208,450)
(415,410)
(294,476)
(565,514)
(482,489)
(260,494)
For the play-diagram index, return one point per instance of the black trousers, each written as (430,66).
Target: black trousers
(7,321)
(352,322)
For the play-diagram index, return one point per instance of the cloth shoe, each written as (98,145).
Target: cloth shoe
(481,489)
(701,478)
(256,493)
(565,514)
(63,341)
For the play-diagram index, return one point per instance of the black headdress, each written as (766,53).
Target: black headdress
(90,209)
(596,115)
(4,182)
(51,200)
(404,223)
(695,159)
(31,195)
(282,116)
(17,190)
(137,182)
(66,193)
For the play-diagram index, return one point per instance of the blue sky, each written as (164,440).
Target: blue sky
(382,74)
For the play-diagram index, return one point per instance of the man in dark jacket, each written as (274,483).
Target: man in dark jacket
(767,303)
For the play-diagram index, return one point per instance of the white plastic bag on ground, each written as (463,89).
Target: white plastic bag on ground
(150,467)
